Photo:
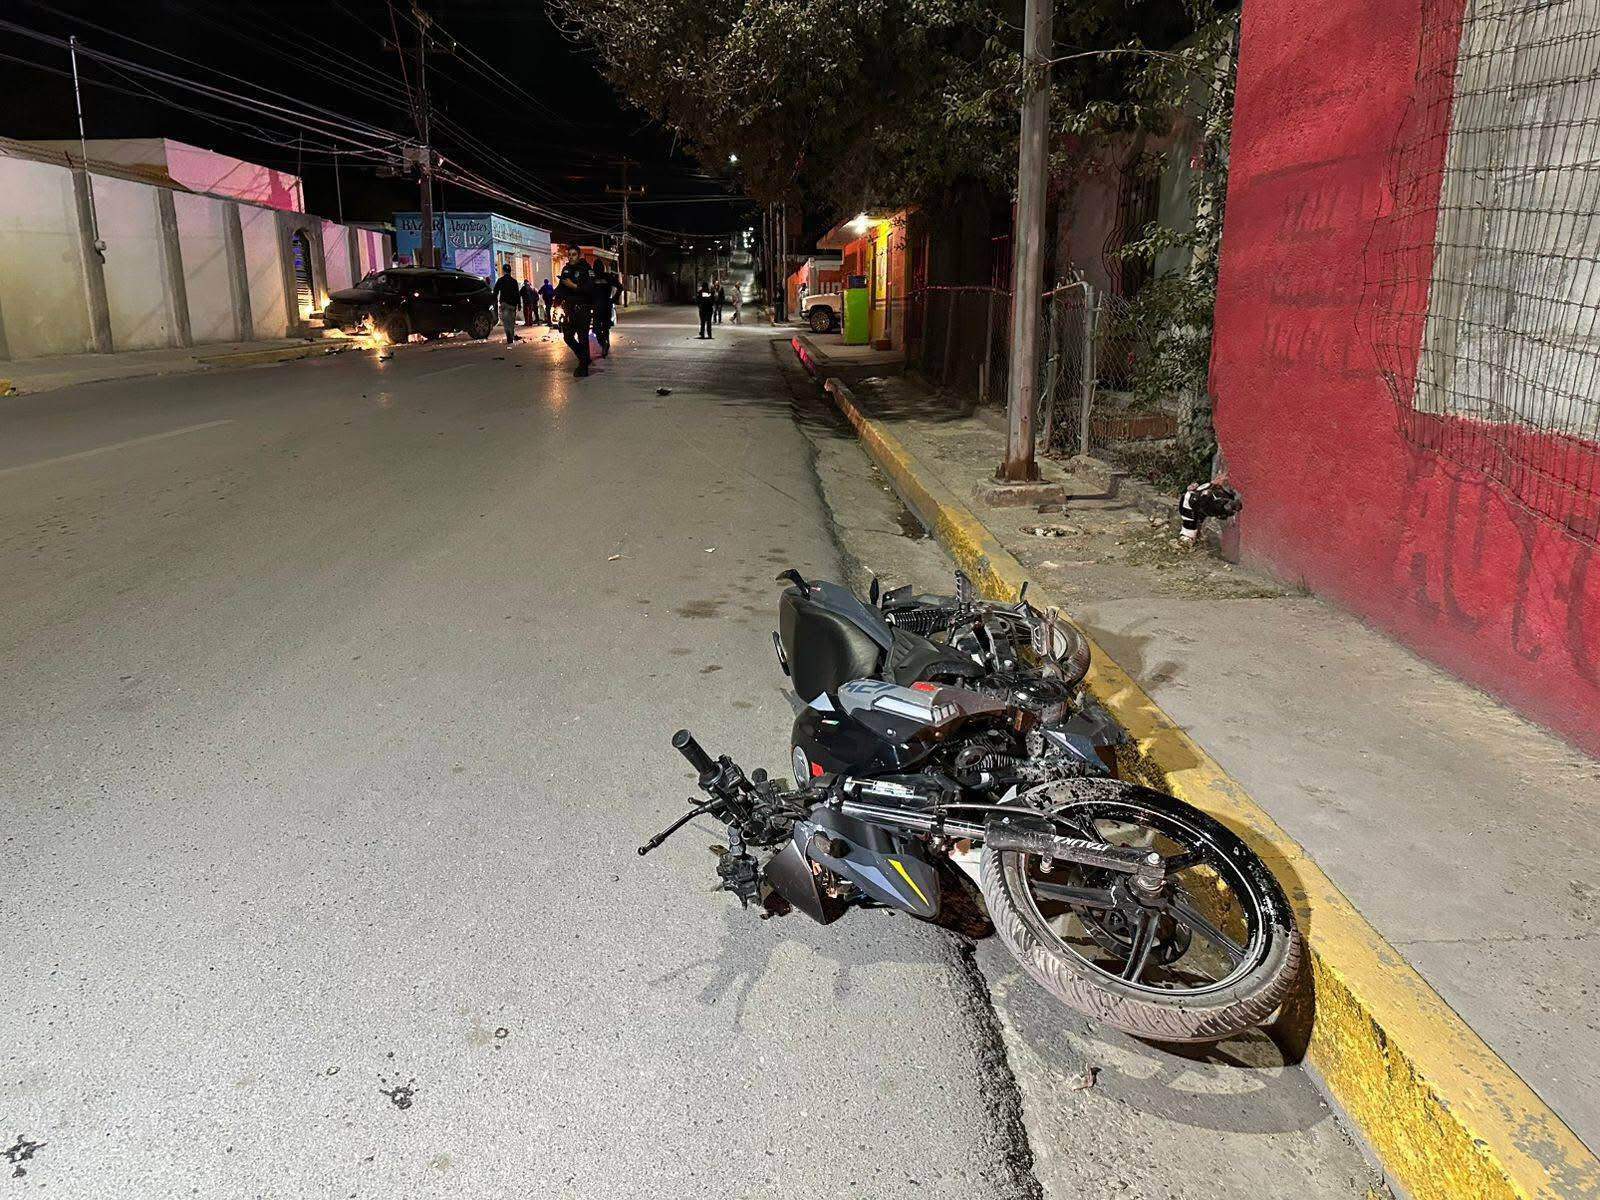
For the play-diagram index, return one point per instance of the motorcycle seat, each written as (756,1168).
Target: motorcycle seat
(913,658)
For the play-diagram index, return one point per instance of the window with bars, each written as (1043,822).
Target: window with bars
(1485,271)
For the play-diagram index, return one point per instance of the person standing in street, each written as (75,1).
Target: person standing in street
(605,290)
(530,303)
(507,294)
(575,292)
(547,294)
(735,299)
(706,300)
(721,298)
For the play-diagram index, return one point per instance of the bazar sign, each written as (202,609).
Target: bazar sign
(469,231)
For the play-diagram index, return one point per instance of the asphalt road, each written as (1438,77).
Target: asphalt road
(337,697)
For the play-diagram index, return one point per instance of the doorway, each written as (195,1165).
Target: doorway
(305,283)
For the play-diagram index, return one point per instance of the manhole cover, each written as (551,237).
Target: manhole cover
(1049,531)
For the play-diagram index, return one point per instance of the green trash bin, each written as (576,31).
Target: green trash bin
(857,316)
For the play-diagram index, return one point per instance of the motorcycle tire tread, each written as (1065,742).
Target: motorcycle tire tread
(1247,1004)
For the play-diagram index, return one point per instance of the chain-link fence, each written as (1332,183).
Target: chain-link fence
(1088,403)
(1089,346)
(1483,278)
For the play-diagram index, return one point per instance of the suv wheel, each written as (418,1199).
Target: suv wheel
(397,329)
(482,326)
(820,319)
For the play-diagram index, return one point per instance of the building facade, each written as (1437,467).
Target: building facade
(480,243)
(1404,355)
(874,246)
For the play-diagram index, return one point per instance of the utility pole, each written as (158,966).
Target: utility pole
(783,259)
(423,115)
(83,149)
(772,258)
(1028,249)
(626,193)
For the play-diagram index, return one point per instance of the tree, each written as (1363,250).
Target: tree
(854,104)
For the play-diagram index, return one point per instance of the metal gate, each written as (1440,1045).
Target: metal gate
(305,284)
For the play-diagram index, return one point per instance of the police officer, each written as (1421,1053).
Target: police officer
(575,295)
(706,301)
(607,290)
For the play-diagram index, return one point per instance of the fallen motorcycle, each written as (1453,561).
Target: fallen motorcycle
(922,763)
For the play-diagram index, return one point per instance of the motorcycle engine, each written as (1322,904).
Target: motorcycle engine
(1047,700)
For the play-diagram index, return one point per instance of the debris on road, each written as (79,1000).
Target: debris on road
(20,1152)
(613,557)
(711,549)
(663,391)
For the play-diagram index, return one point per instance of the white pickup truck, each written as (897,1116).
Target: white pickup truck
(823,311)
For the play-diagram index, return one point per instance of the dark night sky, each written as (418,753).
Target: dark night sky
(557,121)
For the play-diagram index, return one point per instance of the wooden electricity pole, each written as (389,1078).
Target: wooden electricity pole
(626,193)
(1028,249)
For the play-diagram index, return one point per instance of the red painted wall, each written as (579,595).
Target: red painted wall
(1335,497)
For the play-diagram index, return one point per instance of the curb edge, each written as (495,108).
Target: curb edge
(1446,1117)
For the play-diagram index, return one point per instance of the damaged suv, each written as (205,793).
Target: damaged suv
(400,301)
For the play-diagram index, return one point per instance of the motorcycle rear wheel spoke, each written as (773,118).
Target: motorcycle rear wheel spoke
(1082,896)
(1144,941)
(1186,914)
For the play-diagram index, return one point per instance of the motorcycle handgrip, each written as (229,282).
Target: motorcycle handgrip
(683,742)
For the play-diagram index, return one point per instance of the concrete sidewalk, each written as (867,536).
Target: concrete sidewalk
(827,356)
(29,375)
(1465,835)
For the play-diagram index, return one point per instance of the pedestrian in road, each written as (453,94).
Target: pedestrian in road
(605,290)
(575,292)
(735,299)
(530,303)
(721,297)
(506,294)
(547,294)
(706,300)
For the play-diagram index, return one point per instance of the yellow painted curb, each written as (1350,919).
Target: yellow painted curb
(1448,1119)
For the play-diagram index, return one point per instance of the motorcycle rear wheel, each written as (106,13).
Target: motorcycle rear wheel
(1217,959)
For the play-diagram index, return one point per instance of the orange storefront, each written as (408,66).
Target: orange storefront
(873,245)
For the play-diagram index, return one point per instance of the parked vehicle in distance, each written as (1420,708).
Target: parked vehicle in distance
(400,301)
(822,312)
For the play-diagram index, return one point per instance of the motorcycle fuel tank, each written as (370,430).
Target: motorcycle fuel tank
(870,727)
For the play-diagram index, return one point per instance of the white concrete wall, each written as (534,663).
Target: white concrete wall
(335,259)
(203,242)
(269,308)
(47,305)
(41,274)
(130,226)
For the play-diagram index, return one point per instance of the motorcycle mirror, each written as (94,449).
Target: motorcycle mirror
(1023,594)
(874,592)
(793,577)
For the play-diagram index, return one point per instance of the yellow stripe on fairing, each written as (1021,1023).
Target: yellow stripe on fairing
(895,862)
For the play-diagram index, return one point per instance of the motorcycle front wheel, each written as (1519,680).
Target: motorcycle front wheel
(1213,956)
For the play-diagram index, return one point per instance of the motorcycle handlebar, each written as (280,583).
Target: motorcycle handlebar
(683,742)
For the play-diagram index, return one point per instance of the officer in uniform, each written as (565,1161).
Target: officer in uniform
(607,291)
(575,295)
